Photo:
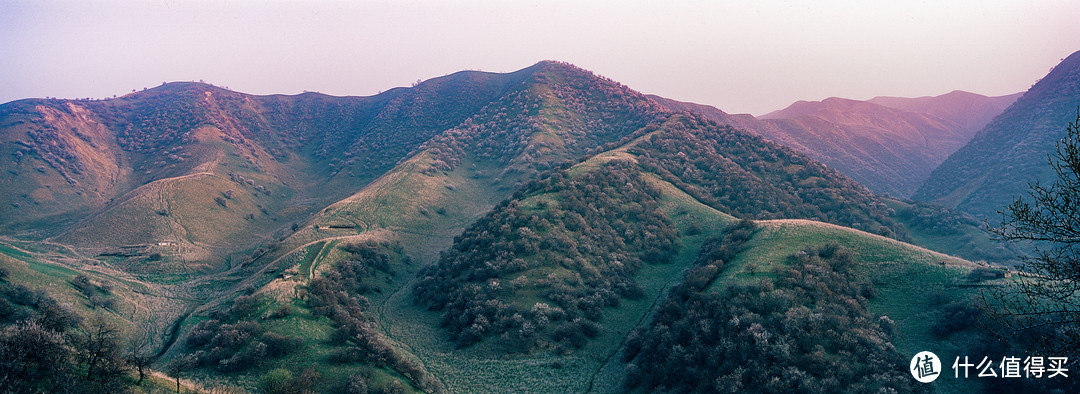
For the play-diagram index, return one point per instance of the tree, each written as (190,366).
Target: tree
(139,352)
(99,349)
(31,353)
(180,365)
(1044,301)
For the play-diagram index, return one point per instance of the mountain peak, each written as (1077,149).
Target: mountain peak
(179,88)
(823,107)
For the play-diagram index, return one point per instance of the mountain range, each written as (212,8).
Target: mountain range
(889,144)
(543,230)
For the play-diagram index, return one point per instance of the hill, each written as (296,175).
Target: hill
(997,164)
(888,144)
(557,276)
(194,172)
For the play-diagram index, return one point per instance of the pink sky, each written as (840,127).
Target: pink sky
(740,56)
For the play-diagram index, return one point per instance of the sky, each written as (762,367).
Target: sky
(739,56)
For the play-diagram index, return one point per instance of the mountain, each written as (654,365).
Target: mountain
(474,233)
(888,144)
(207,171)
(995,167)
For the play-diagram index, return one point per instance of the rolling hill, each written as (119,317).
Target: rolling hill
(995,167)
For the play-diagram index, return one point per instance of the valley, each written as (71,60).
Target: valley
(545,230)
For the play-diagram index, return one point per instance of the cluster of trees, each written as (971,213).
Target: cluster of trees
(956,232)
(99,294)
(46,347)
(936,220)
(339,294)
(366,136)
(749,177)
(154,120)
(232,341)
(806,331)
(575,242)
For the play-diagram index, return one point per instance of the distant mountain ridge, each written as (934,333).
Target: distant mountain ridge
(971,111)
(888,144)
(996,166)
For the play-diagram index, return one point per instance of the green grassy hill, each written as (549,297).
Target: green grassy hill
(902,285)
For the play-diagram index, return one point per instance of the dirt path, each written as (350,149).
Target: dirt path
(315,261)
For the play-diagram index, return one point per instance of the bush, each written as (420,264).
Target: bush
(279,345)
(956,316)
(277,381)
(356,384)
(243,305)
(106,302)
(82,283)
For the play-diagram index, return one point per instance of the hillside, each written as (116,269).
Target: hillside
(427,199)
(888,144)
(996,166)
(758,292)
(194,172)
(574,262)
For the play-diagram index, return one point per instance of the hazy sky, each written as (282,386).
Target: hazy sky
(740,56)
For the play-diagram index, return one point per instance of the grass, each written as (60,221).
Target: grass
(15,253)
(55,279)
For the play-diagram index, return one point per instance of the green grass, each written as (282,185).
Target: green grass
(13,252)
(778,239)
(56,280)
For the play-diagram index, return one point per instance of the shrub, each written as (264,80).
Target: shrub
(279,345)
(277,381)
